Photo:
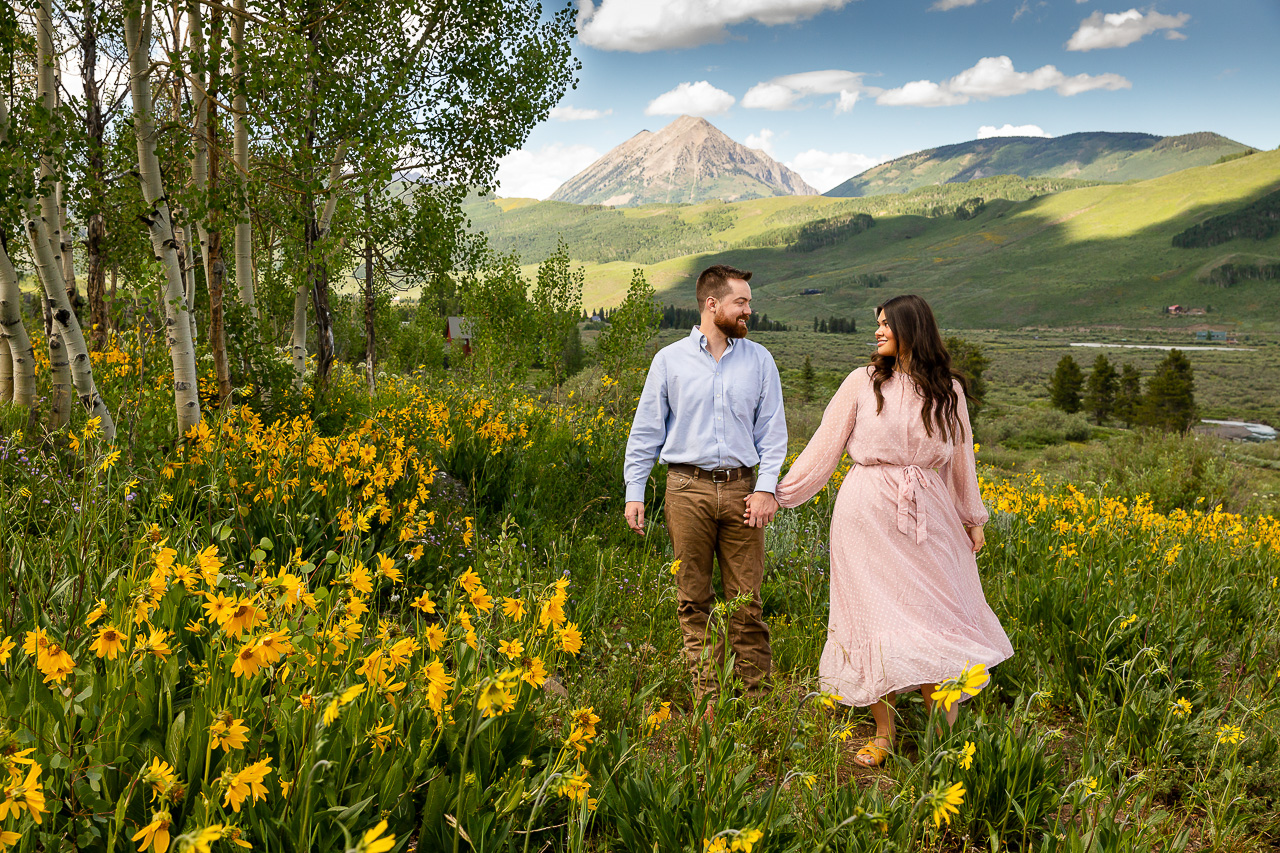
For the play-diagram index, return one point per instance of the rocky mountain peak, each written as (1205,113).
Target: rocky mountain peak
(690,160)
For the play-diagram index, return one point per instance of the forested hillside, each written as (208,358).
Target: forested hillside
(1096,156)
(1098,253)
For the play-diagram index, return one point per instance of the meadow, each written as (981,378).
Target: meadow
(1040,253)
(416,620)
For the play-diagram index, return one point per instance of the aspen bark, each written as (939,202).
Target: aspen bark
(239,105)
(137,30)
(47,94)
(65,324)
(95,224)
(18,383)
(67,246)
(312,285)
(369,338)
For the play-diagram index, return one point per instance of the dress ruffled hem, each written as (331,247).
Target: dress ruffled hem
(860,674)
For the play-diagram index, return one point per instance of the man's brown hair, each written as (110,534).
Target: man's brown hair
(713,282)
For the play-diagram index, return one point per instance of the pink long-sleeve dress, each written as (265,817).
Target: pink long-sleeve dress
(906,603)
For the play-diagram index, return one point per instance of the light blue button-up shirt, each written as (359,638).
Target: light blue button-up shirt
(697,411)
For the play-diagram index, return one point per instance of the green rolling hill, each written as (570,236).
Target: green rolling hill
(1100,156)
(1035,254)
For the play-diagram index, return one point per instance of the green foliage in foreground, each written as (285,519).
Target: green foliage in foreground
(1141,709)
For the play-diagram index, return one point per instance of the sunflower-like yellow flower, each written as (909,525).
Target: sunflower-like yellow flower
(155,834)
(946,802)
(511,648)
(424,603)
(386,568)
(571,638)
(374,841)
(107,642)
(248,661)
(24,794)
(513,607)
(658,717)
(746,840)
(99,610)
(246,783)
(162,778)
(966,755)
(969,682)
(227,732)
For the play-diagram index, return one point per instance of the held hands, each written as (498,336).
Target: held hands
(634,513)
(977,537)
(761,508)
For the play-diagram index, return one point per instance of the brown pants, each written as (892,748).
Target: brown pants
(705,520)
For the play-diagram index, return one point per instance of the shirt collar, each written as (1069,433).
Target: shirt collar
(700,340)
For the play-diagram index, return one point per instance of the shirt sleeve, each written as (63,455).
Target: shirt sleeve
(814,467)
(961,472)
(770,433)
(648,430)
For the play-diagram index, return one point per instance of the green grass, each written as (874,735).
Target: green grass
(1095,255)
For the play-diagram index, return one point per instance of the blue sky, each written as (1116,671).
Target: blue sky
(832,87)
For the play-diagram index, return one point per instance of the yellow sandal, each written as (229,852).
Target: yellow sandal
(874,755)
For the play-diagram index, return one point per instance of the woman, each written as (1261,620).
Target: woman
(907,609)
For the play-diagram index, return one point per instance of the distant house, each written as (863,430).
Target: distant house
(459,329)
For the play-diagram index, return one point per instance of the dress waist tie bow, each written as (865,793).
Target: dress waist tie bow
(912,476)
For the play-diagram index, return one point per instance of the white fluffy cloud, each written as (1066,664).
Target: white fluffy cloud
(537,174)
(762,140)
(826,169)
(1121,29)
(995,77)
(987,131)
(575,114)
(787,92)
(641,26)
(694,99)
(946,5)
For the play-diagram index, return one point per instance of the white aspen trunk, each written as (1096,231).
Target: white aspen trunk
(137,31)
(65,323)
(325,220)
(47,93)
(67,246)
(18,382)
(298,343)
(240,144)
(199,154)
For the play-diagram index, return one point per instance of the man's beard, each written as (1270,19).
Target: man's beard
(731,328)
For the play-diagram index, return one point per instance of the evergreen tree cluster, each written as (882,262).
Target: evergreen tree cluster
(835,325)
(1259,220)
(676,317)
(969,208)
(1167,403)
(1228,274)
(827,232)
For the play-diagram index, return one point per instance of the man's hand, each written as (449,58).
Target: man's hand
(977,538)
(635,516)
(761,508)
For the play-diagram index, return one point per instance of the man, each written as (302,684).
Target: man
(711,410)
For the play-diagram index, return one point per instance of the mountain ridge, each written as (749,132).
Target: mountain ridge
(688,161)
(1110,156)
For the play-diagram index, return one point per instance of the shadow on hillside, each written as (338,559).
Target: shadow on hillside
(1017,264)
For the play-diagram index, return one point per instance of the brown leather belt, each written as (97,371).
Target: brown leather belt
(715,475)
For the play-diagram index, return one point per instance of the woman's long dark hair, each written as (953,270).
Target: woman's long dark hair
(927,362)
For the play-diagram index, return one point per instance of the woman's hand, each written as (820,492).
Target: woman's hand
(977,537)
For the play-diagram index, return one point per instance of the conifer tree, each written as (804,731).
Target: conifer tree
(1128,395)
(806,380)
(1170,402)
(969,359)
(1066,385)
(1100,392)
